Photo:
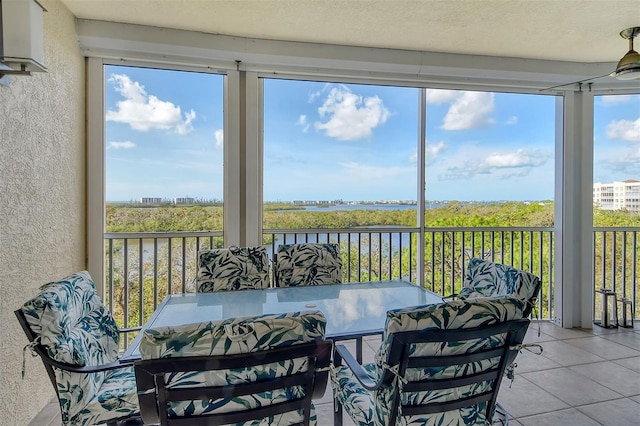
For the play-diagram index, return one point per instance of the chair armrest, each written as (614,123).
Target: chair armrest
(358,371)
(86,369)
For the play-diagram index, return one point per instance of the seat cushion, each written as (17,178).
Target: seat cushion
(70,320)
(116,398)
(72,323)
(232,336)
(235,268)
(354,398)
(488,279)
(308,264)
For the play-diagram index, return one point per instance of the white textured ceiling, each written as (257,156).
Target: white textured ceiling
(567,30)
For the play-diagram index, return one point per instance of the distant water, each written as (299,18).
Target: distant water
(350,207)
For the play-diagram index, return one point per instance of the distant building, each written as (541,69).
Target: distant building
(183,200)
(150,200)
(623,195)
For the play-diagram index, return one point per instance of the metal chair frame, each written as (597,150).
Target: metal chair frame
(399,357)
(50,364)
(154,395)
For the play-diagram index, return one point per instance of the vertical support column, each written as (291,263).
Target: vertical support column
(422,172)
(95,171)
(243,159)
(574,211)
(253,160)
(233,139)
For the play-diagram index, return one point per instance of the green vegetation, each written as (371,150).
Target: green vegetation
(170,266)
(137,218)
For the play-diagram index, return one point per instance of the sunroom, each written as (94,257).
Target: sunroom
(62,141)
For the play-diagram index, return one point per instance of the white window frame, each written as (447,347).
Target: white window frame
(244,61)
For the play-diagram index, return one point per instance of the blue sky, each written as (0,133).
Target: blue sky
(328,141)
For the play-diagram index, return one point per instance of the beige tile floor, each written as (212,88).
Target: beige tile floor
(583,378)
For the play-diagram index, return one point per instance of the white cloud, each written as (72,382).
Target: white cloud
(315,95)
(185,126)
(219,135)
(123,145)
(302,121)
(468,110)
(519,158)
(504,165)
(625,130)
(616,99)
(511,120)
(367,173)
(144,112)
(622,162)
(438,96)
(433,149)
(349,116)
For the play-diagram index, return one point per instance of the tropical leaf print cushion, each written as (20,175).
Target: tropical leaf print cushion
(235,268)
(232,336)
(487,279)
(72,323)
(308,264)
(367,407)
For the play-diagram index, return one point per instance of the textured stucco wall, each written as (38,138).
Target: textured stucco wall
(42,200)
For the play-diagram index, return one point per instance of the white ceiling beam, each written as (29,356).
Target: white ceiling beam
(138,42)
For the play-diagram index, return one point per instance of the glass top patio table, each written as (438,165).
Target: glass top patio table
(352,309)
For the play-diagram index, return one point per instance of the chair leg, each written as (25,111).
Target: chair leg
(337,414)
(359,349)
(500,416)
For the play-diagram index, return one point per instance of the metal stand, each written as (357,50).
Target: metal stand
(627,313)
(609,309)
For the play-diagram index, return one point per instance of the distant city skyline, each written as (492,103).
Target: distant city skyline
(327,141)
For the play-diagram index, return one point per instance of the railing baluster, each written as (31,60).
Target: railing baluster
(634,256)
(184,265)
(614,262)
(155,273)
(615,259)
(140,283)
(169,267)
(399,255)
(110,257)
(359,256)
(370,272)
(125,280)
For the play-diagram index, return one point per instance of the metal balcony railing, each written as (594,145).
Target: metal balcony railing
(142,268)
(381,253)
(616,263)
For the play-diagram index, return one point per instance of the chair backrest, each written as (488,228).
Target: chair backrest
(307,264)
(445,362)
(266,367)
(235,268)
(487,279)
(69,323)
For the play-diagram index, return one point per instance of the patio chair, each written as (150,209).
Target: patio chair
(307,264)
(487,279)
(252,370)
(78,341)
(235,268)
(437,364)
